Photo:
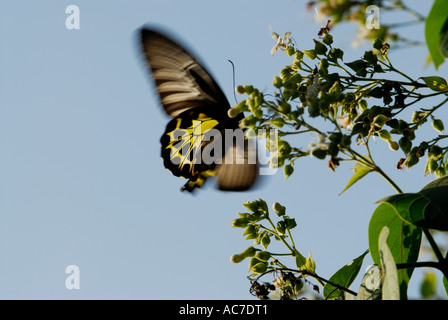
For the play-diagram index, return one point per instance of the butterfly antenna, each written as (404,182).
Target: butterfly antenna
(234,85)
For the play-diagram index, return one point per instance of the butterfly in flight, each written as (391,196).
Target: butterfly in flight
(195,144)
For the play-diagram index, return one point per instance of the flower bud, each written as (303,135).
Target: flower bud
(328,39)
(248,89)
(258,113)
(248,253)
(259,268)
(284,107)
(310,54)
(278,122)
(236,258)
(393,145)
(277,82)
(288,170)
(385,135)
(362,105)
(237,109)
(411,161)
(290,50)
(240,90)
(240,223)
(263,255)
(279,209)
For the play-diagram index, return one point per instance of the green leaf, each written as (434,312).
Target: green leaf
(404,241)
(300,259)
(443,43)
(370,288)
(310,265)
(343,277)
(427,208)
(390,288)
(435,83)
(434,31)
(360,172)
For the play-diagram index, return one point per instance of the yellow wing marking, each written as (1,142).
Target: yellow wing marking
(189,140)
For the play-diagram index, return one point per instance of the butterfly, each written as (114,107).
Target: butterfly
(200,140)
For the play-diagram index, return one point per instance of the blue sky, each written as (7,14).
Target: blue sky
(82,179)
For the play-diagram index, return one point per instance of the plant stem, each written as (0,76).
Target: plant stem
(279,235)
(388,179)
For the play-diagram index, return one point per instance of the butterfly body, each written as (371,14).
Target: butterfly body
(193,143)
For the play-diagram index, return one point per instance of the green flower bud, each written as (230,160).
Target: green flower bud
(362,104)
(310,54)
(298,55)
(288,170)
(249,121)
(258,100)
(239,223)
(263,255)
(233,112)
(296,78)
(248,253)
(290,50)
(248,89)
(280,228)
(277,82)
(257,206)
(284,107)
(283,147)
(335,89)
(393,145)
(385,135)
(250,232)
(323,67)
(285,73)
(279,209)
(259,268)
(237,109)
(290,223)
(328,39)
(258,113)
(411,161)
(240,90)
(277,122)
(236,258)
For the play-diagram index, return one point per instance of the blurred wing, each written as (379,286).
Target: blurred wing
(181,81)
(239,169)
